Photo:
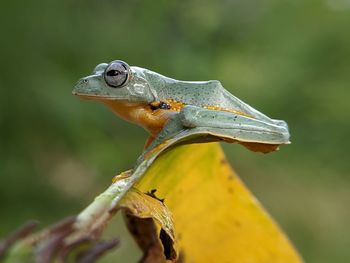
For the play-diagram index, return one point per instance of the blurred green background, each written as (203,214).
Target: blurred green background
(288,58)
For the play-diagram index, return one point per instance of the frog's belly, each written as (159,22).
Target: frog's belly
(141,114)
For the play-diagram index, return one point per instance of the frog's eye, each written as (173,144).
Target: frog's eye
(117,74)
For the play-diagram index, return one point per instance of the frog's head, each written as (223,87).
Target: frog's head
(115,81)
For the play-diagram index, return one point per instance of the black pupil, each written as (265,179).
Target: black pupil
(113,72)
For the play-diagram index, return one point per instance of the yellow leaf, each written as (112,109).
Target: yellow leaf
(216,218)
(141,211)
(144,206)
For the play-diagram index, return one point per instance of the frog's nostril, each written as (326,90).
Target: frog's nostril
(83,81)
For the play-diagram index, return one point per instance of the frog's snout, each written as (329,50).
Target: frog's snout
(88,86)
(80,86)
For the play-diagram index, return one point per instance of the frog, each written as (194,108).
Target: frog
(165,107)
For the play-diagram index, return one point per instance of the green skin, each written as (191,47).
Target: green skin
(145,86)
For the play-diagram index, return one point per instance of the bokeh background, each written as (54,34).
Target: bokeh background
(288,58)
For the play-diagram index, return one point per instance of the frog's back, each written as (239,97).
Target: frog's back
(197,93)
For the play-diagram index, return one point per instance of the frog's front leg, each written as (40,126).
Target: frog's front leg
(157,143)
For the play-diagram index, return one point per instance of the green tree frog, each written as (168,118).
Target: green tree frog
(166,107)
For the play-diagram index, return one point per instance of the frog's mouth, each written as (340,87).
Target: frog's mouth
(92,96)
(100,98)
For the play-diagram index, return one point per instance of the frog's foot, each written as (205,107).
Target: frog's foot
(122,175)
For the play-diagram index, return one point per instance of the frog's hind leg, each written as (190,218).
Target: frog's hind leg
(235,127)
(197,124)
